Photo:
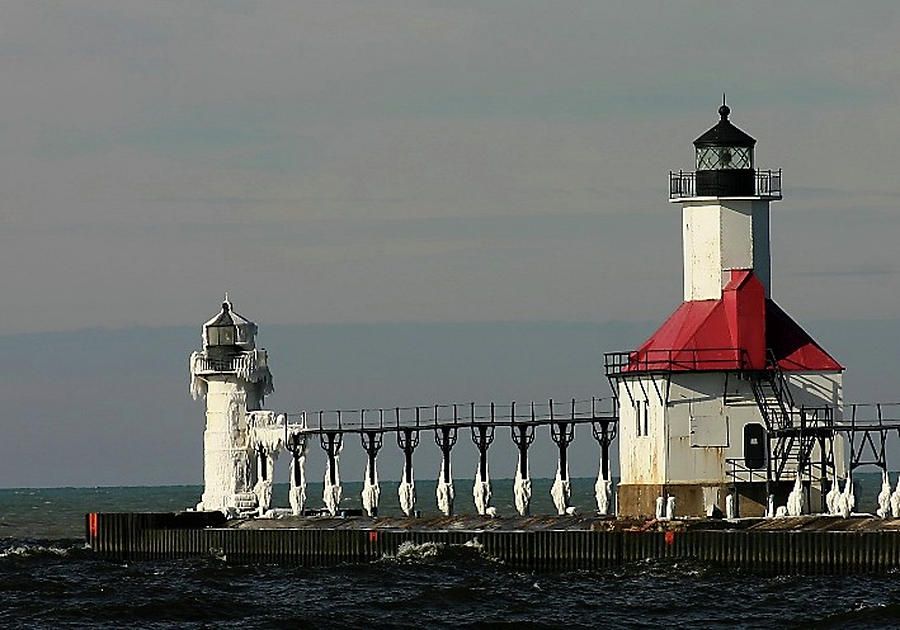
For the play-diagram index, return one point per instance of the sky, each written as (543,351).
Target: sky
(357,166)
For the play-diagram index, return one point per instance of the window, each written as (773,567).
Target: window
(221,335)
(641,417)
(720,158)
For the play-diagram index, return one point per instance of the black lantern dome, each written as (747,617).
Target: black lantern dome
(725,160)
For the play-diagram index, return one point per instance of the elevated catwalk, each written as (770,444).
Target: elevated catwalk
(813,544)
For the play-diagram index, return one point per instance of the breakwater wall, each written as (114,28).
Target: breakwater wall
(808,546)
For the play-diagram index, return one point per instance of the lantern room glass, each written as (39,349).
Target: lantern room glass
(222,335)
(724,158)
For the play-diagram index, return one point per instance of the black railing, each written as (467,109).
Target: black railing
(737,471)
(458,416)
(642,361)
(683,184)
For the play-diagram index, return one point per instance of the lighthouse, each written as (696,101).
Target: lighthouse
(730,395)
(233,376)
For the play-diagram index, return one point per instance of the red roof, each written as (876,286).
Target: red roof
(731,333)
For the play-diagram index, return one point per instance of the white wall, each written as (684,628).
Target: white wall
(720,236)
(642,457)
(690,438)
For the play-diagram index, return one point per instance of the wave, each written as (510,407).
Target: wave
(21,549)
(413,553)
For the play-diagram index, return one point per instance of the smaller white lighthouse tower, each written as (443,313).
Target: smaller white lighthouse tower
(232,374)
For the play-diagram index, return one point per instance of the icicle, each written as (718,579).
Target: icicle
(795,499)
(603,493)
(371,492)
(263,493)
(729,507)
(481,491)
(660,507)
(895,501)
(884,497)
(444,493)
(297,492)
(849,497)
(781,512)
(332,493)
(670,508)
(263,489)
(770,506)
(522,490)
(845,500)
(832,499)
(267,430)
(561,491)
(407,494)
(198,384)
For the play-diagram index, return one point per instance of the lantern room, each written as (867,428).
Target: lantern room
(725,160)
(228,332)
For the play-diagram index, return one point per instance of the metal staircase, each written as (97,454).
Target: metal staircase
(773,395)
(793,433)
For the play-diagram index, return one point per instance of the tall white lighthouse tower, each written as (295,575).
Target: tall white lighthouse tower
(730,394)
(232,374)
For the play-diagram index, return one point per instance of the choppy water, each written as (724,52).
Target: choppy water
(48,580)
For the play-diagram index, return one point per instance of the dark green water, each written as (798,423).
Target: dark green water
(49,580)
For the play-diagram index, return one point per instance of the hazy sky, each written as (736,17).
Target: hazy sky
(425,162)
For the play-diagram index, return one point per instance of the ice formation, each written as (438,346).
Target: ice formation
(522,490)
(297,493)
(407,494)
(895,501)
(849,495)
(263,491)
(250,365)
(561,491)
(781,512)
(603,493)
(795,499)
(670,508)
(884,497)
(267,430)
(371,492)
(331,495)
(267,433)
(770,506)
(845,501)
(481,491)
(660,507)
(445,493)
(197,384)
(833,497)
(729,507)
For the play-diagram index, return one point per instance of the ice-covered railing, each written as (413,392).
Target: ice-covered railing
(250,365)
(406,425)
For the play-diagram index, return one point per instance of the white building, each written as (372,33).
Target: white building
(232,374)
(730,392)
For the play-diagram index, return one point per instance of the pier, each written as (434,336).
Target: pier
(811,544)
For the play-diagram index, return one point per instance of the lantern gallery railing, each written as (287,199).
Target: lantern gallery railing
(661,361)
(683,184)
(244,364)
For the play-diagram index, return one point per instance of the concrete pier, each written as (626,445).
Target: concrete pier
(815,544)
